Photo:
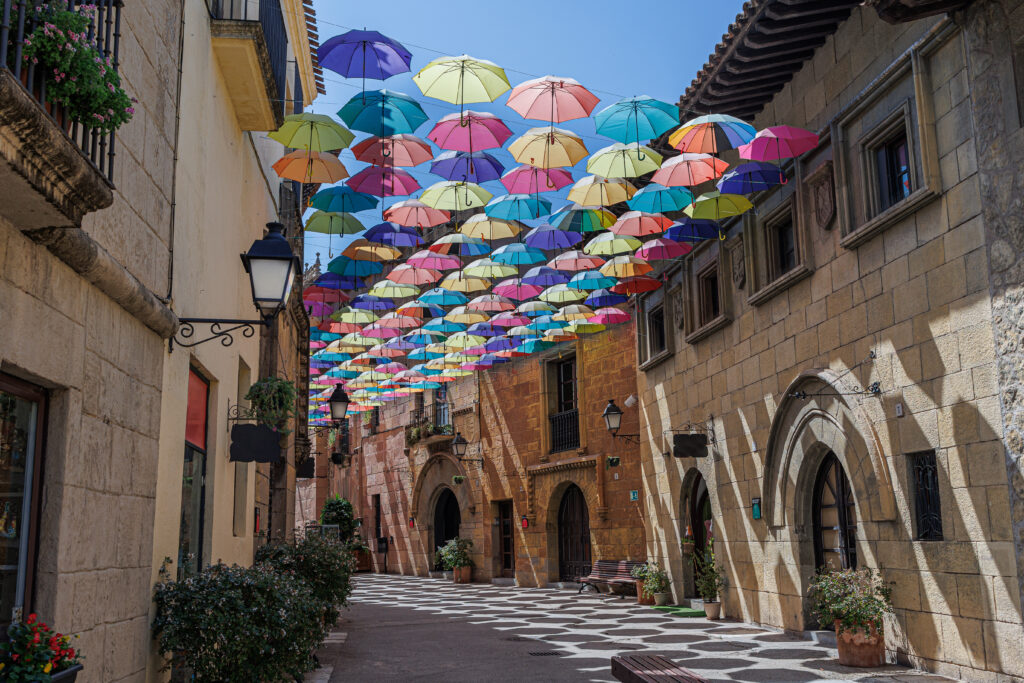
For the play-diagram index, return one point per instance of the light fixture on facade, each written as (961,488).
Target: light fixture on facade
(525,522)
(272,267)
(339,404)
(459,446)
(613,421)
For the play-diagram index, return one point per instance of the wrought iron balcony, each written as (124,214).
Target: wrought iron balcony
(565,430)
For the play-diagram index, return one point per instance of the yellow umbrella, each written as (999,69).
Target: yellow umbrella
(454,372)
(484,227)
(356,339)
(573,312)
(393,290)
(464,340)
(562,294)
(455,195)
(584,327)
(715,206)
(362,250)
(359,316)
(461,282)
(626,266)
(462,79)
(307,166)
(337,347)
(610,244)
(594,190)
(316,132)
(486,268)
(460,357)
(623,161)
(548,148)
(464,316)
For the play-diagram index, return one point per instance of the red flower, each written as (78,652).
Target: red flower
(31,619)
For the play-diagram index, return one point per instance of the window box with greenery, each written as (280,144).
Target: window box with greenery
(652,584)
(34,652)
(856,603)
(454,556)
(710,581)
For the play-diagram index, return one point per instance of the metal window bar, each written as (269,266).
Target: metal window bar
(17,23)
(565,430)
(926,497)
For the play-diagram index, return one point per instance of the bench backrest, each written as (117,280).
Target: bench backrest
(614,568)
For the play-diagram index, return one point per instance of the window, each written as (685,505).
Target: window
(417,407)
(709,305)
(927,509)
(377,530)
(656,338)
(193,478)
(566,385)
(782,246)
(565,421)
(892,170)
(22,417)
(375,420)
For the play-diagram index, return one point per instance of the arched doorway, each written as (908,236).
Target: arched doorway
(573,535)
(835,517)
(446,518)
(701,526)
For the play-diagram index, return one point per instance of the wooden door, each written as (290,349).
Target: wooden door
(573,536)
(835,518)
(506,540)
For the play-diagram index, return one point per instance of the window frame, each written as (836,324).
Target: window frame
(913,460)
(711,255)
(767,281)
(657,301)
(894,126)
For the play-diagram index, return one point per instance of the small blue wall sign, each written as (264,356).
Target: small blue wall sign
(634,495)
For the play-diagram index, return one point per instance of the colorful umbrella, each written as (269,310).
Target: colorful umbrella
(343,200)
(331,223)
(420,309)
(515,289)
(336,281)
(610,316)
(508,319)
(383,181)
(605,297)
(517,254)
(594,190)
(610,244)
(355,316)
(471,131)
(575,260)
(415,214)
(715,206)
(463,282)
(315,132)
(452,195)
(751,177)
(411,275)
(550,98)
(663,249)
(637,224)
(584,327)
(636,285)
(623,161)
(383,113)
(443,297)
(394,150)
(542,276)
(549,238)
(371,302)
(528,179)
(460,245)
(487,268)
(533,309)
(434,260)
(305,166)
(637,118)
(655,198)
(393,290)
(562,294)
(590,280)
(582,219)
(366,54)
(712,134)
(779,142)
(348,267)
(444,325)
(690,230)
(360,249)
(464,316)
(548,148)
(393,235)
(517,207)
(625,266)
(461,80)
(484,227)
(490,303)
(689,170)
(474,167)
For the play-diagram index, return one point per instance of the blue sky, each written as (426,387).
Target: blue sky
(616,49)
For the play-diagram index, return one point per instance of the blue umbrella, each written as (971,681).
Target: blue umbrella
(438,296)
(320,335)
(472,167)
(591,280)
(347,267)
(383,112)
(423,354)
(549,238)
(502,343)
(492,359)
(751,177)
(544,323)
(343,199)
(335,281)
(369,302)
(517,207)
(517,254)
(542,276)
(442,325)
(486,330)
(692,230)
(534,345)
(393,235)
(364,54)
(600,298)
(637,118)
(660,199)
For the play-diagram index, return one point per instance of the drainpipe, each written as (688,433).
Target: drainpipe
(174,163)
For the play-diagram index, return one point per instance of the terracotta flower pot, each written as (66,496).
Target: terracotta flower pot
(687,547)
(640,598)
(859,649)
(713,610)
(463,574)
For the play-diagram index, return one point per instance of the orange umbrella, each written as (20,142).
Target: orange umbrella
(306,166)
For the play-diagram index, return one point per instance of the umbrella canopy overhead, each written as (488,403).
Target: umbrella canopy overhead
(383,113)
(623,161)
(517,207)
(548,148)
(550,238)
(331,223)
(552,98)
(383,181)
(715,206)
(454,195)
(484,227)
(470,131)
(753,176)
(393,235)
(474,167)
(528,179)
(400,149)
(779,142)
(364,54)
(315,132)
(306,166)
(712,134)
(637,118)
(689,170)
(415,214)
(343,199)
(594,190)
(461,80)
(655,198)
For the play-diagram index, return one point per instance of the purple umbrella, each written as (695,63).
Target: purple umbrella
(364,54)
(485,330)
(548,238)
(692,230)
(393,235)
(601,298)
(335,281)
(751,177)
(500,344)
(370,302)
(543,276)
(473,167)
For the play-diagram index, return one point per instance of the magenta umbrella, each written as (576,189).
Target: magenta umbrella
(472,131)
(779,142)
(663,249)
(509,319)
(381,331)
(317,309)
(383,181)
(530,179)
(514,289)
(609,316)
(434,260)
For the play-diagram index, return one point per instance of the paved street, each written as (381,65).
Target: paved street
(416,629)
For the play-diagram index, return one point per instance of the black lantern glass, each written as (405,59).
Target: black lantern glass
(271,266)
(459,445)
(339,404)
(612,417)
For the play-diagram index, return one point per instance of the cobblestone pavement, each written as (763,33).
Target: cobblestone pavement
(402,628)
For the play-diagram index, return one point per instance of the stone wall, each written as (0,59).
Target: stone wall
(904,303)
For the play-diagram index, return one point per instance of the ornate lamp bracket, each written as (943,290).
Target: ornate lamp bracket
(224,330)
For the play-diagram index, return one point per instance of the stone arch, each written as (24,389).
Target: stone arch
(554,501)
(684,575)
(433,478)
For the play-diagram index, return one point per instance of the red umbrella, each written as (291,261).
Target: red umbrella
(413,213)
(324,295)
(662,249)
(575,260)
(779,142)
(636,285)
(383,181)
(394,150)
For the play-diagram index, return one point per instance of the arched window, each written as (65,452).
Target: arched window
(835,518)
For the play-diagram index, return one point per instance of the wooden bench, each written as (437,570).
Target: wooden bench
(610,573)
(651,669)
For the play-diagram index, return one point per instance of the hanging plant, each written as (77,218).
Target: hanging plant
(458,479)
(272,403)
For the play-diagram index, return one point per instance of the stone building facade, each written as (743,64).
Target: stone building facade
(540,502)
(851,349)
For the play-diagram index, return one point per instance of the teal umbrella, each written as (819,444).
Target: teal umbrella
(636,118)
(656,198)
(383,112)
(343,199)
(343,265)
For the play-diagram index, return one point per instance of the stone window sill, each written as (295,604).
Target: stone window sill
(781,284)
(656,360)
(888,218)
(708,329)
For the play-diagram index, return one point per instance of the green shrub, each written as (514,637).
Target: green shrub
(338,510)
(708,577)
(654,577)
(455,553)
(324,564)
(231,624)
(856,599)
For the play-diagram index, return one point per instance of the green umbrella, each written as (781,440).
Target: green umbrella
(453,195)
(332,223)
(462,79)
(715,206)
(315,132)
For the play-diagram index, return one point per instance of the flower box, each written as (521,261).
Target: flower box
(67,675)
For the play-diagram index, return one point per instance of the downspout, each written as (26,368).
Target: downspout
(174,163)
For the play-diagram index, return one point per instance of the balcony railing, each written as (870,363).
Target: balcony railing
(438,414)
(16,23)
(565,430)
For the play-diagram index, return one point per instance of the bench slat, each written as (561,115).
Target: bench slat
(651,669)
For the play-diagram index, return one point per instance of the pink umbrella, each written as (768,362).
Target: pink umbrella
(406,274)
(610,316)
(383,181)
(551,98)
(408,375)
(385,351)
(779,142)
(379,330)
(470,131)
(688,170)
(317,344)
(509,319)
(413,213)
(434,260)
(514,289)
(527,179)
(391,367)
(317,309)
(638,224)
(490,303)
(663,249)
(338,328)
(404,322)
(394,150)
(576,260)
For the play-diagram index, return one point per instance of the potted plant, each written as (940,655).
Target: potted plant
(687,544)
(653,584)
(272,403)
(35,653)
(455,558)
(641,573)
(412,436)
(338,511)
(855,603)
(710,582)
(458,479)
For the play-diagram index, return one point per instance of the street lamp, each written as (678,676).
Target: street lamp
(339,404)
(459,445)
(271,267)
(613,420)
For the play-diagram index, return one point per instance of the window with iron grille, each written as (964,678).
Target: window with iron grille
(565,421)
(927,508)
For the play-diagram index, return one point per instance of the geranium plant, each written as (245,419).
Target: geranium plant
(34,652)
(852,600)
(78,75)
